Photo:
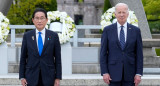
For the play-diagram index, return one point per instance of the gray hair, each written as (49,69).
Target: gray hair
(121,4)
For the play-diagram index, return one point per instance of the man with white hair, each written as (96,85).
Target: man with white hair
(121,56)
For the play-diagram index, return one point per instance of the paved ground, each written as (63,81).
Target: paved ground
(79,80)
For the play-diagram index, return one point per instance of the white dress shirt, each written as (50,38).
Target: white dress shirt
(43,32)
(124,28)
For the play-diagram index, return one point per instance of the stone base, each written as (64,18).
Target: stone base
(151,62)
(85,68)
(66,57)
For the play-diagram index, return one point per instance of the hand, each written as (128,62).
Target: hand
(24,82)
(57,82)
(106,78)
(137,80)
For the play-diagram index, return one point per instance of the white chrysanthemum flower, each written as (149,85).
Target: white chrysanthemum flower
(4,28)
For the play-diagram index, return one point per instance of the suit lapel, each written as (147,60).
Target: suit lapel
(34,42)
(47,40)
(128,34)
(116,34)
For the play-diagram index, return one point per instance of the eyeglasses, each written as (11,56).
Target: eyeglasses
(39,18)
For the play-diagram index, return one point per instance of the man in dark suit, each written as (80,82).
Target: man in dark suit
(40,63)
(121,56)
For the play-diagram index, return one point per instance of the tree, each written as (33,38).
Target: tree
(107,5)
(152,12)
(21,10)
(151,9)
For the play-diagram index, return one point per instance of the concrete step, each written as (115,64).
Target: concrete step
(92,44)
(79,80)
(84,68)
(77,68)
(93,36)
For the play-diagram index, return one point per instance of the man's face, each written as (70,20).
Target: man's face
(121,14)
(39,20)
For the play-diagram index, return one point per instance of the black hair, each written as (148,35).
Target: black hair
(39,10)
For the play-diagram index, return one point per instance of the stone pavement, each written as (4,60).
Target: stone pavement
(79,80)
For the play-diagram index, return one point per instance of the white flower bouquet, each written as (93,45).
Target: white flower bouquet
(62,17)
(4,28)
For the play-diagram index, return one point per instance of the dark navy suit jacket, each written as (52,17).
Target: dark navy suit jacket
(49,62)
(114,60)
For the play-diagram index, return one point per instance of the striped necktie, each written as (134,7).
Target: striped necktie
(122,38)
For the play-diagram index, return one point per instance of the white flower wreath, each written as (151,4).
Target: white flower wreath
(62,17)
(4,28)
(109,17)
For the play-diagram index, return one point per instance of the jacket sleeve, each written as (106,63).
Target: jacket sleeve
(57,55)
(23,58)
(139,54)
(103,53)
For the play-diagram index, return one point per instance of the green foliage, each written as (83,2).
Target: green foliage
(21,10)
(80,1)
(158,52)
(107,5)
(151,8)
(152,11)
(154,26)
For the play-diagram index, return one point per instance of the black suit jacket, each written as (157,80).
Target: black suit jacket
(49,62)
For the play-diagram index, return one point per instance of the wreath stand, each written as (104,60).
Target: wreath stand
(66,50)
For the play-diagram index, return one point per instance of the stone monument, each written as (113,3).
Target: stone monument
(5,5)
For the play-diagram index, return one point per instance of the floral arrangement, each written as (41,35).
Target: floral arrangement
(4,28)
(62,17)
(109,17)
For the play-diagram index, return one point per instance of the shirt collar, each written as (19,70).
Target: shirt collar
(119,26)
(42,32)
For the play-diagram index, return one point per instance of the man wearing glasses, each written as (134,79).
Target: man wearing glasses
(40,63)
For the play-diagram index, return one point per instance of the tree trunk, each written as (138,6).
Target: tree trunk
(5,5)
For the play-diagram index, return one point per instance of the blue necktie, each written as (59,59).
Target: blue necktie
(40,43)
(122,38)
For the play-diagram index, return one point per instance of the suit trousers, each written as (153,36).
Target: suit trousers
(40,81)
(122,82)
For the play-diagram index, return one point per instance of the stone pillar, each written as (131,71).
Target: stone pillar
(3,58)
(137,7)
(5,5)
(66,56)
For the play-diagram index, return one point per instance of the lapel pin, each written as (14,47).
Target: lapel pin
(49,38)
(130,28)
(32,37)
